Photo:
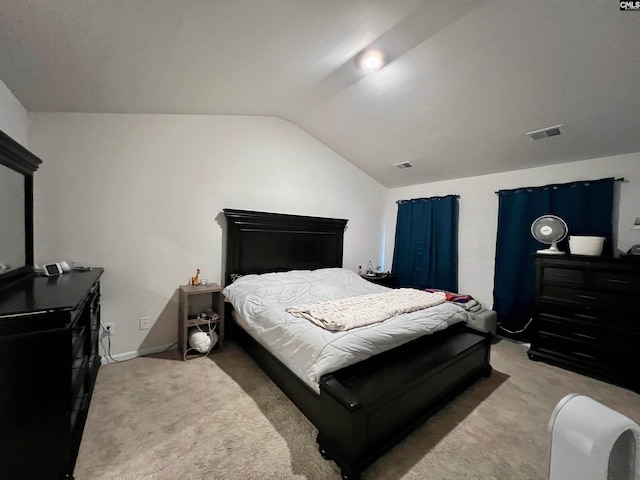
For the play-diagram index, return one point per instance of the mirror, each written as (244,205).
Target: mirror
(12,219)
(17,166)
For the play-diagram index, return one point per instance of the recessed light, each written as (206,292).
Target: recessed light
(371,60)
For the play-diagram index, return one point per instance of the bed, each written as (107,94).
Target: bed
(363,408)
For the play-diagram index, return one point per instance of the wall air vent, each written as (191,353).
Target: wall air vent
(545,133)
(402,165)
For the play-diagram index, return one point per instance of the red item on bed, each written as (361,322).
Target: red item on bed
(451,297)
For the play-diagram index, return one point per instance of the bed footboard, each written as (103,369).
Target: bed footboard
(371,406)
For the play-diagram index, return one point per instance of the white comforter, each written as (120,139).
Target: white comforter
(311,351)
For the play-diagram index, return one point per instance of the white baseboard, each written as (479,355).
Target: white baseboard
(121,357)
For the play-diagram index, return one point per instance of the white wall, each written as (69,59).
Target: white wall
(478,221)
(141,196)
(13,116)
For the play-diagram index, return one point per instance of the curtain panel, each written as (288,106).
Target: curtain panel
(425,253)
(586,207)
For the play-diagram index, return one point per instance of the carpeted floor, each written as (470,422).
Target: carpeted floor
(221,418)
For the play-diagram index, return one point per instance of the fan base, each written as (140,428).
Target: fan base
(551,251)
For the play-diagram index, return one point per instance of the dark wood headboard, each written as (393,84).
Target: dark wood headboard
(261,242)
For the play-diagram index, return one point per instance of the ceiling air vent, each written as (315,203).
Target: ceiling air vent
(544,133)
(402,165)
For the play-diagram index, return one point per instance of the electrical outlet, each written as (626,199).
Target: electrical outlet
(145,323)
(109,328)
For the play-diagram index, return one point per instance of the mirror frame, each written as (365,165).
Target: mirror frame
(21,160)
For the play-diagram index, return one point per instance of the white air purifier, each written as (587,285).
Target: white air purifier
(590,441)
(202,341)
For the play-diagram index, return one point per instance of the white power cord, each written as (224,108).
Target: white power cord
(108,349)
(517,331)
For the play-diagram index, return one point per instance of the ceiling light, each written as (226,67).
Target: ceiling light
(371,60)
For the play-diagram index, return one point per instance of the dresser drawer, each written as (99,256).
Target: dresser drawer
(596,315)
(593,334)
(566,276)
(78,342)
(583,352)
(577,296)
(616,281)
(79,402)
(79,369)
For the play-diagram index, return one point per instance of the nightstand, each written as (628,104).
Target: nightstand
(384,279)
(194,300)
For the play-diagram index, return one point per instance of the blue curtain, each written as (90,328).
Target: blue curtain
(586,207)
(425,254)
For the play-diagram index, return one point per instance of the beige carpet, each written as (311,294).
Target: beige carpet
(222,418)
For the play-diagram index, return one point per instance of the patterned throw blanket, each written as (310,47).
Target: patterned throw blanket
(361,310)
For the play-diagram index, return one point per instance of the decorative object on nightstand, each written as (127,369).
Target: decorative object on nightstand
(195,280)
(201,320)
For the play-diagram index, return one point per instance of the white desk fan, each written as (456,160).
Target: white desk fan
(549,229)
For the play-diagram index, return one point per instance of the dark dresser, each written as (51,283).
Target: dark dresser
(587,316)
(49,328)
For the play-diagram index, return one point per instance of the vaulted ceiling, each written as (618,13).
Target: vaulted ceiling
(465,79)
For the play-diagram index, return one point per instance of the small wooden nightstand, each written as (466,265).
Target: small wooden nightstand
(385,279)
(193,301)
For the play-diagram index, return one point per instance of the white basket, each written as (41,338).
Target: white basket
(586,245)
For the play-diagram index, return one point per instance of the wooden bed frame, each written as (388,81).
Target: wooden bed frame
(364,409)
